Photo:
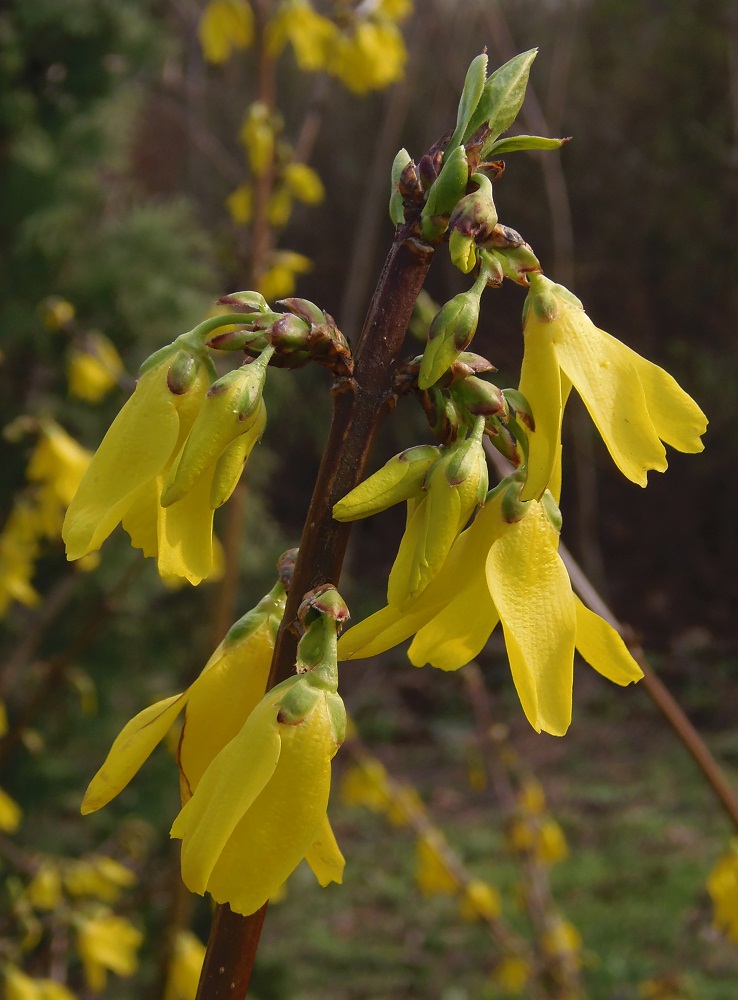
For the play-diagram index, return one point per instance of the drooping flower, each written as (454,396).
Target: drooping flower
(312,36)
(504,568)
(126,477)
(185,967)
(19,986)
(370,58)
(225,25)
(93,368)
(635,404)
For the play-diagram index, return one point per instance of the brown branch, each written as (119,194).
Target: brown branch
(359,405)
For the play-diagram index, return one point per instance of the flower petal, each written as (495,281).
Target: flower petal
(540,383)
(603,372)
(324,856)
(132,746)
(603,648)
(383,630)
(676,418)
(532,591)
(186,533)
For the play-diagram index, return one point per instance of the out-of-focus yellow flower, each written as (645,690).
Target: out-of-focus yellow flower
(722,884)
(58,462)
(126,476)
(107,943)
(303,183)
(480,901)
(312,36)
(44,891)
(505,567)
(56,312)
(432,874)
(185,967)
(562,939)
(217,705)
(93,368)
(635,404)
(257,136)
(103,878)
(19,549)
(225,26)
(365,784)
(404,805)
(19,986)
(11,813)
(279,207)
(532,798)
(372,57)
(551,845)
(240,204)
(244,832)
(511,974)
(395,10)
(278,282)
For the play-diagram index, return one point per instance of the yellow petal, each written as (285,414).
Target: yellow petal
(540,383)
(141,519)
(601,369)
(676,418)
(137,446)
(132,746)
(531,589)
(383,630)
(324,856)
(185,532)
(11,813)
(227,789)
(601,646)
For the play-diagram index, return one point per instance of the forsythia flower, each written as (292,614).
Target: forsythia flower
(244,832)
(101,877)
(371,58)
(125,479)
(278,282)
(225,25)
(240,204)
(93,370)
(19,986)
(257,137)
(185,967)
(635,404)
(504,568)
(11,813)
(480,900)
(722,885)
(44,891)
(312,36)
(106,942)
(432,874)
(511,974)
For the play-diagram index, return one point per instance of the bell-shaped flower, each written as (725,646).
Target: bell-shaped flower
(260,807)
(635,404)
(504,568)
(126,476)
(105,943)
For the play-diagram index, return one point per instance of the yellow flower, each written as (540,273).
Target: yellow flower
(58,462)
(511,974)
(11,813)
(102,877)
(93,370)
(635,404)
(185,967)
(56,313)
(365,784)
(107,943)
(371,58)
(44,891)
(278,282)
(303,183)
(257,137)
(312,36)
(260,807)
(127,474)
(505,567)
(19,986)
(562,939)
(225,25)
(480,900)
(240,204)
(432,875)
(217,705)
(722,884)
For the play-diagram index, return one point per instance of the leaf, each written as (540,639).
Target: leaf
(474,82)
(502,96)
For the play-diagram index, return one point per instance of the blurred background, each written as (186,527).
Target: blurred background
(119,158)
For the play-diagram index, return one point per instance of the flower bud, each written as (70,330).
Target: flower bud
(479,398)
(517,263)
(462,250)
(443,196)
(400,479)
(503,439)
(229,467)
(518,405)
(305,309)
(450,333)
(475,215)
(247,300)
(229,410)
(182,372)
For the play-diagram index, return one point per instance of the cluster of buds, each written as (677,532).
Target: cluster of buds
(302,333)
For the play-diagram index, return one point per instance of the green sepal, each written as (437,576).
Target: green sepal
(502,97)
(401,478)
(520,407)
(516,142)
(476,77)
(504,440)
(158,358)
(270,608)
(298,701)
(553,512)
(518,263)
(512,507)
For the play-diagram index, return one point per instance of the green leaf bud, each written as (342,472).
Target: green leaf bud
(305,309)
(502,98)
(229,467)
(289,333)
(323,600)
(443,196)
(465,365)
(476,77)
(396,205)
(228,410)
(399,479)
(517,142)
(250,300)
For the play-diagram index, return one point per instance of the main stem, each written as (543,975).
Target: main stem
(359,405)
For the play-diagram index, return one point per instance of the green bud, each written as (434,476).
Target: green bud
(289,333)
(512,507)
(305,309)
(476,77)
(443,196)
(479,398)
(517,404)
(323,600)
(270,607)
(516,142)
(229,467)
(475,214)
(251,300)
(463,251)
(399,479)
(504,440)
(465,365)
(451,332)
(518,263)
(229,410)
(396,206)
(182,372)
